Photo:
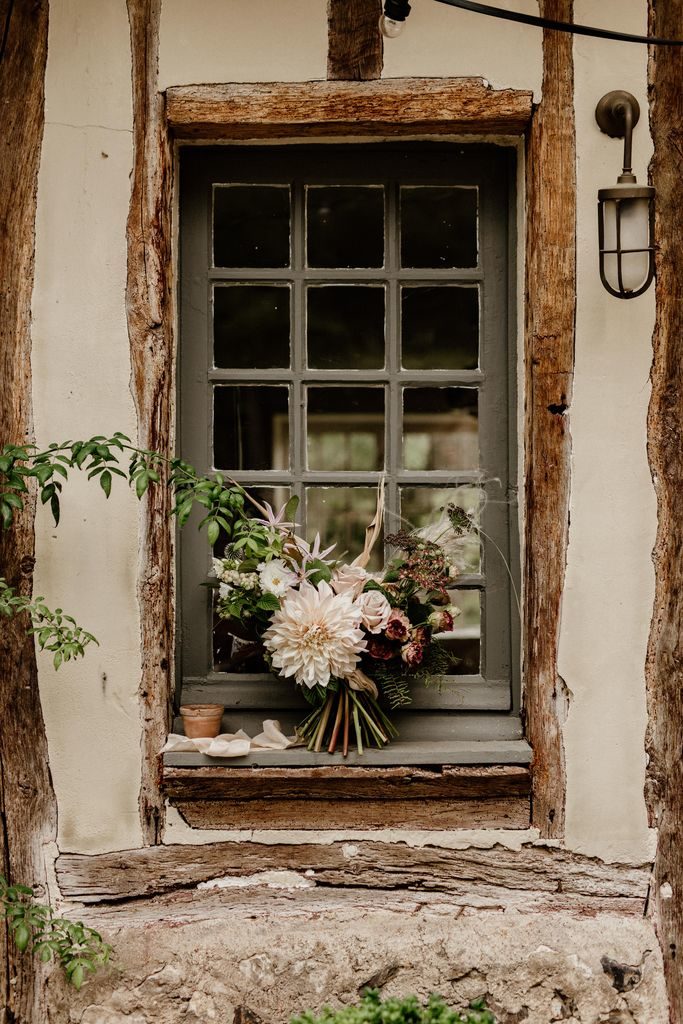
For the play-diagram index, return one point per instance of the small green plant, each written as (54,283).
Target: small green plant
(373,1010)
(78,950)
(55,631)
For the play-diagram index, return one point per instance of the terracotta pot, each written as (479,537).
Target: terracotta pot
(202,719)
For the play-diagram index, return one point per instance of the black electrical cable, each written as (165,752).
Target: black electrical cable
(559,26)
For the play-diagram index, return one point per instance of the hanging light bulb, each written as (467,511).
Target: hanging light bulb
(394,18)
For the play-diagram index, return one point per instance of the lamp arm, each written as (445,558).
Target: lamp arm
(627,170)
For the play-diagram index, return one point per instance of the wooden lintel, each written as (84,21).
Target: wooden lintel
(348,797)
(391,107)
(532,871)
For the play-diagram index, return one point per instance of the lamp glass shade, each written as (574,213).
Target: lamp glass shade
(626,250)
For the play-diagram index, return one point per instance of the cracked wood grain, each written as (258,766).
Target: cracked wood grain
(354,47)
(28,818)
(550,322)
(148,307)
(664,666)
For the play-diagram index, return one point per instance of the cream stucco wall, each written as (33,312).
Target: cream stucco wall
(81,374)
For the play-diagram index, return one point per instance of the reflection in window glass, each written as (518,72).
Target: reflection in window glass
(440,429)
(338,220)
(345,327)
(251,326)
(463,642)
(345,428)
(251,226)
(438,226)
(250,427)
(342,514)
(425,508)
(440,328)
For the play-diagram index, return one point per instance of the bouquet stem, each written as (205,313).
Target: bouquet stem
(334,718)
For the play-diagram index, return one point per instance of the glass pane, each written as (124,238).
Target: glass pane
(250,427)
(425,508)
(345,226)
(251,226)
(440,428)
(438,226)
(345,428)
(341,515)
(345,327)
(440,328)
(251,326)
(463,642)
(230,653)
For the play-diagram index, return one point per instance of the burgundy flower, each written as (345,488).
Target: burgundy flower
(412,654)
(398,626)
(379,649)
(441,620)
(421,635)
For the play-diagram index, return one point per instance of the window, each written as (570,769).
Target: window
(346,313)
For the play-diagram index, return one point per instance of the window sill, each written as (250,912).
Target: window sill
(317,791)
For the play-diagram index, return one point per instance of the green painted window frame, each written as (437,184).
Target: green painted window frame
(465,710)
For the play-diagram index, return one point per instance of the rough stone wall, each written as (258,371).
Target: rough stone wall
(224,956)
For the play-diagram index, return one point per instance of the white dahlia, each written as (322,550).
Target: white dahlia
(315,635)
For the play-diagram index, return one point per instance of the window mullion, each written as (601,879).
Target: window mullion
(393,413)
(298,344)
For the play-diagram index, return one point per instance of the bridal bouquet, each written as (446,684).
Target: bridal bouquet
(353,640)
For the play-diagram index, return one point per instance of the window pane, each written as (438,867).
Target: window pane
(341,515)
(251,326)
(440,428)
(438,227)
(345,327)
(250,427)
(440,328)
(425,508)
(251,225)
(345,428)
(463,642)
(345,226)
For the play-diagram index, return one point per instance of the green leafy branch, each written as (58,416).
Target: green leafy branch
(79,950)
(407,1010)
(54,631)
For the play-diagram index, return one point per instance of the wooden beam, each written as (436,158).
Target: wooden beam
(354,42)
(28,817)
(551,309)
(664,667)
(347,797)
(392,107)
(532,876)
(148,305)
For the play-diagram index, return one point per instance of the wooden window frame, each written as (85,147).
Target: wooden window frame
(460,107)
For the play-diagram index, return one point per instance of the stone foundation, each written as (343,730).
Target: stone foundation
(224,955)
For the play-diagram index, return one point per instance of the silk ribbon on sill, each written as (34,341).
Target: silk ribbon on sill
(232,744)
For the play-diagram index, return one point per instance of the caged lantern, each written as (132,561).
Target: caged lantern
(626,210)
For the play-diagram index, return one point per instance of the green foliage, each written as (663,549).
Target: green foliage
(78,950)
(54,630)
(373,1010)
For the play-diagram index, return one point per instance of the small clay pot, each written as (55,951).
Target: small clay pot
(202,720)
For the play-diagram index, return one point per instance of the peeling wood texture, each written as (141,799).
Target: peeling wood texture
(28,817)
(346,797)
(392,107)
(664,668)
(533,877)
(550,321)
(354,47)
(148,305)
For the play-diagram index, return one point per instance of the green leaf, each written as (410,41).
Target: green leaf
(54,507)
(5,463)
(14,500)
(268,603)
(22,936)
(212,532)
(76,977)
(105,482)
(141,483)
(6,514)
(291,507)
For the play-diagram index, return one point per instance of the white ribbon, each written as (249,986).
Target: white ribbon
(231,744)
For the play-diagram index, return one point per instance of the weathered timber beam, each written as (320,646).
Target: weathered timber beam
(532,869)
(549,360)
(664,667)
(28,817)
(354,42)
(148,307)
(392,107)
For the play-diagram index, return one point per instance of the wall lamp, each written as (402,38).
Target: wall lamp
(393,18)
(625,211)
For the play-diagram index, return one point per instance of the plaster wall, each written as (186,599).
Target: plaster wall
(81,386)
